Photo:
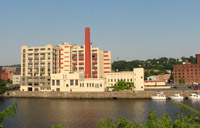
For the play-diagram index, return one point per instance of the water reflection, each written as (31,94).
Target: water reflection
(78,113)
(195,101)
(177,100)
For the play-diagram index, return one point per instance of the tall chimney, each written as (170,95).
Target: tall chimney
(87,53)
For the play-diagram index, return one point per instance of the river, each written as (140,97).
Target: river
(83,113)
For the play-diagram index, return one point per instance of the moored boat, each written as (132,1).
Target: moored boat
(159,96)
(194,96)
(176,97)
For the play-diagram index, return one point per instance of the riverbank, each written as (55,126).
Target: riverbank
(96,95)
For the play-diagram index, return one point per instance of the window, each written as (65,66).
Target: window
(100,85)
(36,84)
(67,85)
(96,85)
(76,82)
(58,89)
(71,82)
(57,82)
(53,82)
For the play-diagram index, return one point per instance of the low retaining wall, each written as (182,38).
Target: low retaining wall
(157,87)
(103,95)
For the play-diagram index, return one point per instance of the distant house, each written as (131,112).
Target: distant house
(6,76)
(16,79)
(161,77)
(8,72)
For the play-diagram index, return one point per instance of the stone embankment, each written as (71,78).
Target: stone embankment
(96,95)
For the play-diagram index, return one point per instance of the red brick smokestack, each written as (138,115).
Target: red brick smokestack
(87,53)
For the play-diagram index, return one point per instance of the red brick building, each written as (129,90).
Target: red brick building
(190,73)
(5,76)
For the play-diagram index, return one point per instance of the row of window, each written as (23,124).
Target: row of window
(82,52)
(36,50)
(185,70)
(186,77)
(181,67)
(72,83)
(56,82)
(95,85)
(187,81)
(75,82)
(116,80)
(36,84)
(187,73)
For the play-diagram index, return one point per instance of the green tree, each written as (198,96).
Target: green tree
(189,120)
(8,112)
(2,86)
(122,123)
(172,76)
(181,81)
(9,81)
(122,85)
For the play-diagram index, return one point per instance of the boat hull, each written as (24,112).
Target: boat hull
(158,98)
(176,98)
(193,98)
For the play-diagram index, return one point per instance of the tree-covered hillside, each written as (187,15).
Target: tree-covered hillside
(151,66)
(161,64)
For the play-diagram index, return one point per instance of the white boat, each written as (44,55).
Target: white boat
(176,97)
(159,96)
(194,96)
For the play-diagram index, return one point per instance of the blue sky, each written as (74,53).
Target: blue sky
(130,29)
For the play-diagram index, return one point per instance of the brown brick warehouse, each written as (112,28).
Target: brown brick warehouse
(190,73)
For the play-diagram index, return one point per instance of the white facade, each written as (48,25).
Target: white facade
(153,78)
(71,58)
(113,77)
(16,79)
(136,76)
(139,78)
(37,65)
(75,82)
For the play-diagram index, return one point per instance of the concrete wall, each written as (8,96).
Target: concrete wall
(157,87)
(154,83)
(122,94)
